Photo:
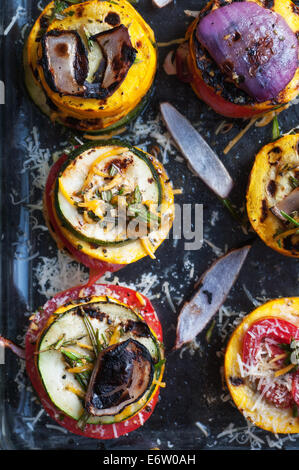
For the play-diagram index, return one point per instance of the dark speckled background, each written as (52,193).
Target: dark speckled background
(194,386)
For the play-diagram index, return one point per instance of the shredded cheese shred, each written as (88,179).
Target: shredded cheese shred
(148,247)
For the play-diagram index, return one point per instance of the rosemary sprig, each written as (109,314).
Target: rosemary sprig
(91,332)
(99,344)
(61,343)
(275,129)
(75,356)
(105,342)
(160,364)
(83,420)
(228,205)
(137,195)
(293,182)
(289,218)
(81,377)
(139,210)
(210,331)
(113,170)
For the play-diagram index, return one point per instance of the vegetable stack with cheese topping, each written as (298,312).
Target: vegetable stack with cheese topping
(90,65)
(108,202)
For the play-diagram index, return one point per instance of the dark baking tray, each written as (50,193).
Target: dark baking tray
(194,391)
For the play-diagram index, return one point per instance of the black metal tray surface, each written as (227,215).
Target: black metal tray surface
(195,410)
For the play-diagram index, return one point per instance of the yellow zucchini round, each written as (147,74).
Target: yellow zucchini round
(275,168)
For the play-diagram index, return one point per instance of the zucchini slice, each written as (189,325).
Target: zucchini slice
(113,201)
(66,354)
(273,179)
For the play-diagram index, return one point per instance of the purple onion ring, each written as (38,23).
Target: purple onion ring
(253,46)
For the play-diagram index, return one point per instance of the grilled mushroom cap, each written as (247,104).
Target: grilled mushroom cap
(122,374)
(119,55)
(64,62)
(288,205)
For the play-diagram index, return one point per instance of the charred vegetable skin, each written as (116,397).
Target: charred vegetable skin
(122,374)
(90,65)
(260,370)
(243,83)
(60,360)
(273,197)
(88,213)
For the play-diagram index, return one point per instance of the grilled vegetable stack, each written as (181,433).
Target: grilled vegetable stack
(95,357)
(261,366)
(242,57)
(109,202)
(90,65)
(273,195)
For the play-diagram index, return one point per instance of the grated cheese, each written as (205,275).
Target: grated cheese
(75,390)
(21,11)
(148,248)
(202,428)
(170,43)
(238,137)
(165,287)
(57,274)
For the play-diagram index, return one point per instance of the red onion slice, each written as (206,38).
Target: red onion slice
(253,46)
(161,3)
(6,343)
(215,285)
(288,205)
(197,152)
(169,65)
(64,62)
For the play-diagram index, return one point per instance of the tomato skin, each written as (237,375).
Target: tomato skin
(280,331)
(123,294)
(278,395)
(217,102)
(97,267)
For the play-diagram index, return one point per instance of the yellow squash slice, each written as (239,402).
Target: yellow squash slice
(249,402)
(274,177)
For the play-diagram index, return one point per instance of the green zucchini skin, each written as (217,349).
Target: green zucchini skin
(127,120)
(156,355)
(79,151)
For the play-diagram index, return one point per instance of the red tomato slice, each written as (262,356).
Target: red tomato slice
(97,267)
(210,96)
(278,329)
(123,294)
(281,331)
(218,103)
